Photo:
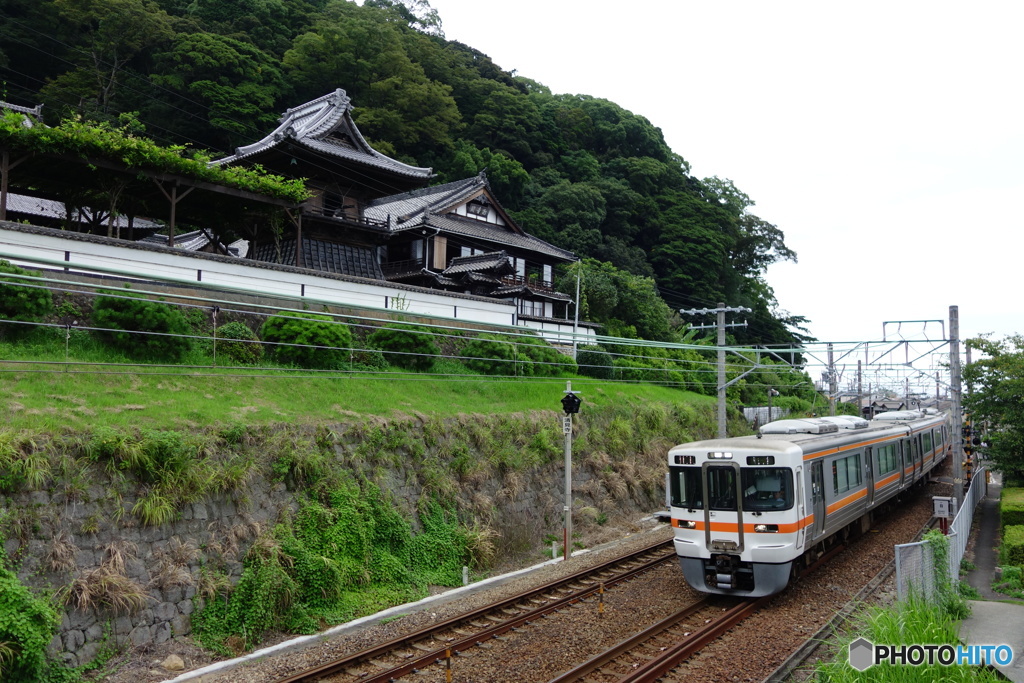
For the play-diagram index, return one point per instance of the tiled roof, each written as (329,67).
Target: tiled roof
(408,208)
(526,290)
(478,230)
(437,278)
(48,208)
(480,279)
(496,262)
(31,114)
(325,125)
(329,257)
(196,240)
(430,206)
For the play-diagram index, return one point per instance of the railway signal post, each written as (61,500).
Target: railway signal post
(571,405)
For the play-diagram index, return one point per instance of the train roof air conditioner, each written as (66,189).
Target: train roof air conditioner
(805,426)
(847,421)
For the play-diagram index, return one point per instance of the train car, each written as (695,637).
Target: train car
(750,511)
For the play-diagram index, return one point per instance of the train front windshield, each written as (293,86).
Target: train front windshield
(763,488)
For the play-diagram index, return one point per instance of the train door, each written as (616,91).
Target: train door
(869,473)
(915,452)
(818,497)
(801,507)
(901,458)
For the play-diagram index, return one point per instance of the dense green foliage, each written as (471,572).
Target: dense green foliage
(1013,545)
(27,623)
(502,354)
(491,354)
(405,346)
(141,328)
(347,554)
(307,340)
(239,344)
(578,171)
(593,361)
(997,384)
(105,141)
(19,300)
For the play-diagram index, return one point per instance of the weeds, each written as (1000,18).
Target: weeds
(104,588)
(60,557)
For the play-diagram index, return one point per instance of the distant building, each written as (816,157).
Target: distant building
(373,216)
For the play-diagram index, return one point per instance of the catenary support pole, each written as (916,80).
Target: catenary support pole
(721,371)
(958,423)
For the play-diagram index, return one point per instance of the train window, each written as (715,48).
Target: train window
(887,461)
(926,441)
(767,488)
(722,488)
(687,490)
(846,473)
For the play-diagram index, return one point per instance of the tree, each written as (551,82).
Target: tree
(114,32)
(238,83)
(997,397)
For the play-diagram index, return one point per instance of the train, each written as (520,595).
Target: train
(750,512)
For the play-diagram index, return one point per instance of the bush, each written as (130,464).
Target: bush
(545,360)
(490,354)
(307,340)
(1013,545)
(19,302)
(406,346)
(26,625)
(1011,506)
(594,362)
(164,326)
(239,343)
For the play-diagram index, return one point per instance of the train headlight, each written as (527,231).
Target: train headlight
(766,528)
(686,524)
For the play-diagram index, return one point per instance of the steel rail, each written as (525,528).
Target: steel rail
(433,656)
(619,649)
(655,668)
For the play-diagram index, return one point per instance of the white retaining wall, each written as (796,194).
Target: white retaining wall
(46,248)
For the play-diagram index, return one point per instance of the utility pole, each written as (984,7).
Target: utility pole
(720,324)
(860,391)
(833,389)
(958,420)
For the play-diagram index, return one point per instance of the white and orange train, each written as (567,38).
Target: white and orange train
(749,511)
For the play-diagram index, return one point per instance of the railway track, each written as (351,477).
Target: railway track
(652,653)
(410,653)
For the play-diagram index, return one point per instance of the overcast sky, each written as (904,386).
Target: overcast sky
(885,139)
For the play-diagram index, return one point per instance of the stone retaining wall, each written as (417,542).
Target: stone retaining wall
(165,561)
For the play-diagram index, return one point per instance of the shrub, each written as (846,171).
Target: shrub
(20,302)
(26,625)
(1011,506)
(307,340)
(1013,545)
(545,360)
(594,362)
(240,344)
(636,370)
(406,346)
(124,316)
(490,354)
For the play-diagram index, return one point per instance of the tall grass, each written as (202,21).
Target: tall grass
(912,622)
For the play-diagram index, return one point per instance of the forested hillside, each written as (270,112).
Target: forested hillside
(577,171)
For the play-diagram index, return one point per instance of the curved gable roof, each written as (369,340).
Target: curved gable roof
(325,125)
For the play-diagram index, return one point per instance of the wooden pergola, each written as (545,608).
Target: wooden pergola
(118,188)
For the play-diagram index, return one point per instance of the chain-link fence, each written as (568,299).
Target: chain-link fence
(915,563)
